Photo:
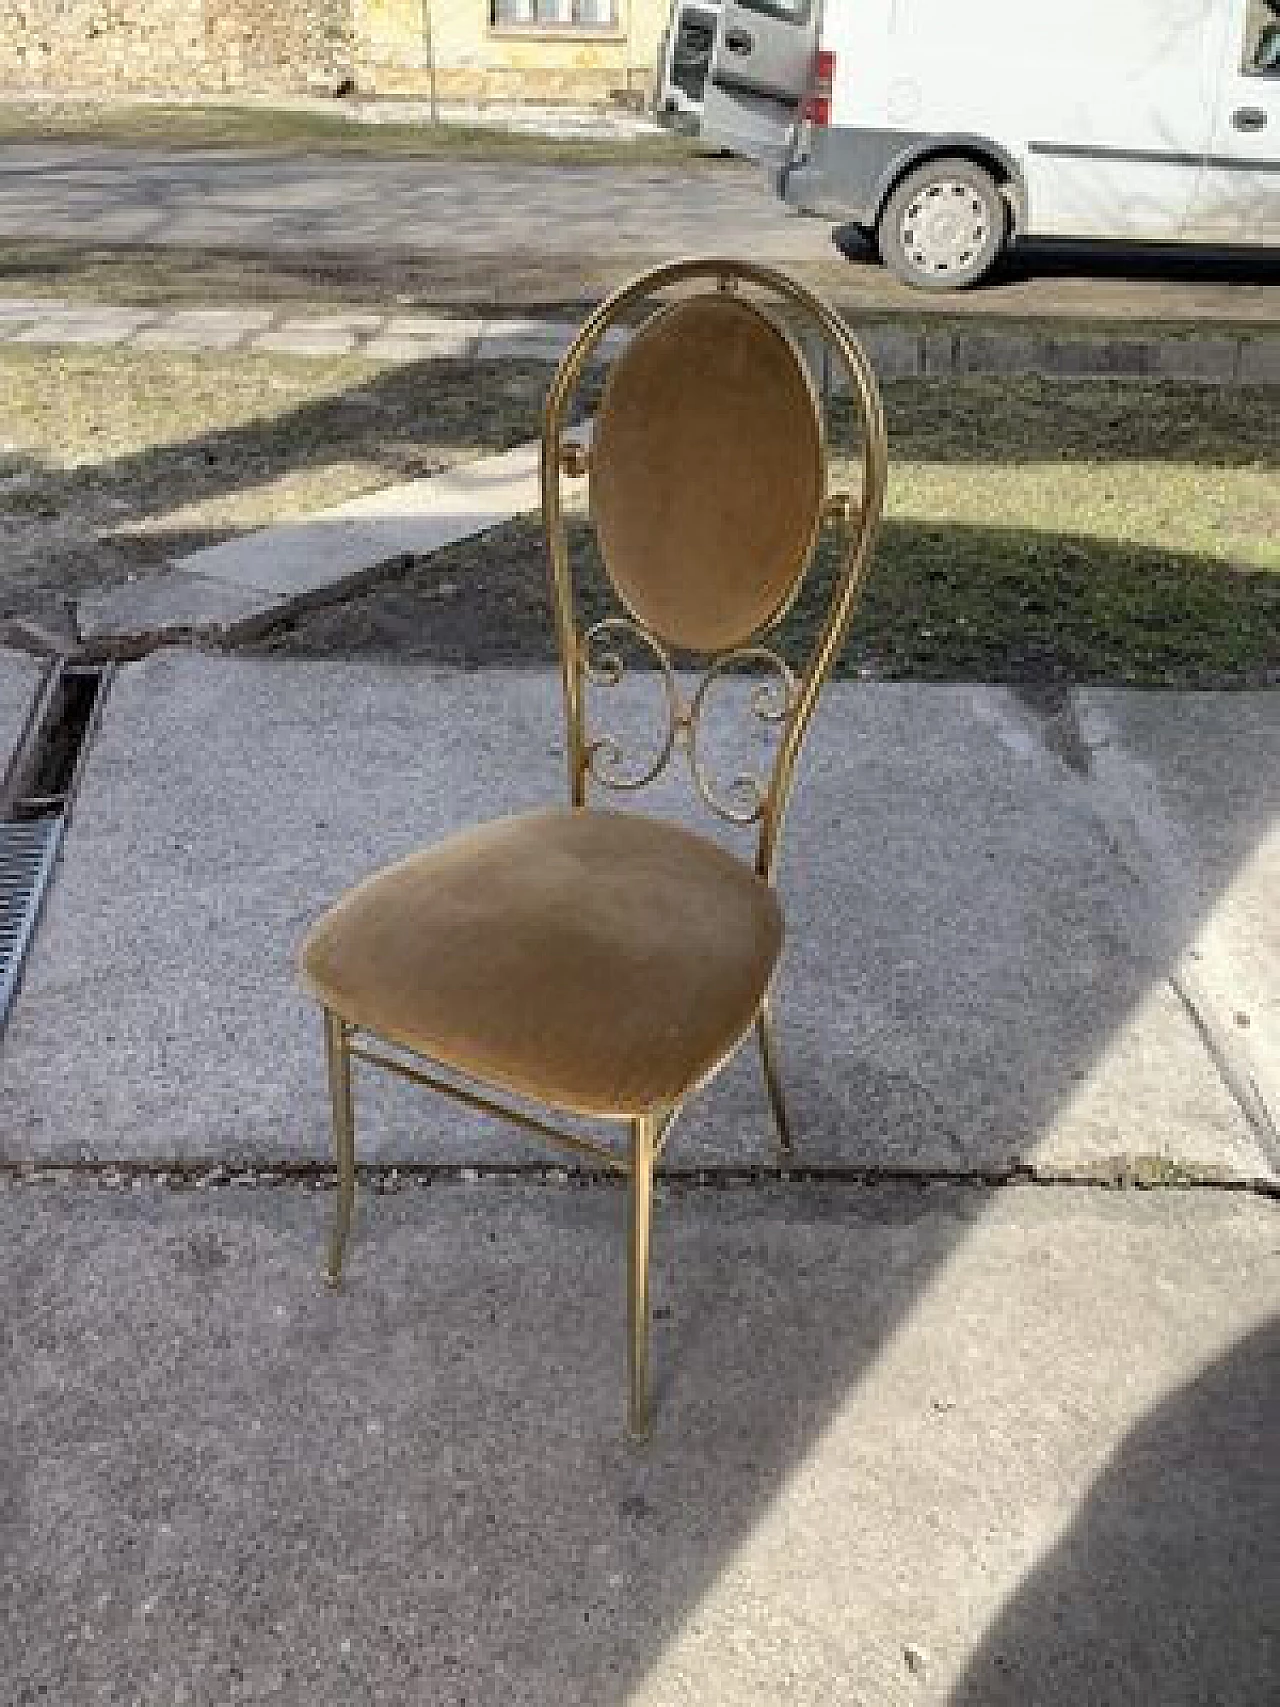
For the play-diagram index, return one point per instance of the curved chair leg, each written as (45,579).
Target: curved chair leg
(344,1137)
(641,1206)
(773,1077)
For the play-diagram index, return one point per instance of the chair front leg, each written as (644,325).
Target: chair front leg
(773,1076)
(344,1137)
(643,1132)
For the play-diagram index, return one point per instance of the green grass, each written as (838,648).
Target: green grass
(1116,530)
(152,124)
(113,461)
(1092,530)
(1105,531)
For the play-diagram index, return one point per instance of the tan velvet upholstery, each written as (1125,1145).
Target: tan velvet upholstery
(707,472)
(595,961)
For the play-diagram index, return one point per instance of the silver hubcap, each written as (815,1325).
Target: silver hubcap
(944,227)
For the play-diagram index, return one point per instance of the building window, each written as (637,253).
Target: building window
(553,14)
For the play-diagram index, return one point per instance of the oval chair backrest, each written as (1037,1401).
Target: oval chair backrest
(707,491)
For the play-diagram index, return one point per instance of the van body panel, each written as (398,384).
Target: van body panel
(1237,196)
(848,173)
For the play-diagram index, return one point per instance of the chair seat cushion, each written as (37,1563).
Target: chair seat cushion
(598,962)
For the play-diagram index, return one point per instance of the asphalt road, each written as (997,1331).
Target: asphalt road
(576,221)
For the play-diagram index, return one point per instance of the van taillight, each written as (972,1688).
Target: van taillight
(817,103)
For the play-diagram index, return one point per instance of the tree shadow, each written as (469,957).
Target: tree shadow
(1166,1588)
(99,523)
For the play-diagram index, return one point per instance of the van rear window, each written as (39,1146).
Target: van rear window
(1262,39)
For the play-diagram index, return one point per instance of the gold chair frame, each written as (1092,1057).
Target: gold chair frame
(786,700)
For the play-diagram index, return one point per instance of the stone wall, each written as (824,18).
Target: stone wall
(172,46)
(264,47)
(476,61)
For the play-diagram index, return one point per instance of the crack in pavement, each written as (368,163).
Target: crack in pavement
(1121,1173)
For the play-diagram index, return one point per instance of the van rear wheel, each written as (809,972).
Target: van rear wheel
(944,226)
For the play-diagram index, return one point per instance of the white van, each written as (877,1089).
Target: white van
(944,127)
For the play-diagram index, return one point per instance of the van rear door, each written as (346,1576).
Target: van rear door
(760,67)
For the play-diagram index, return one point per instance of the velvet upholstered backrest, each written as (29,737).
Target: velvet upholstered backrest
(707,490)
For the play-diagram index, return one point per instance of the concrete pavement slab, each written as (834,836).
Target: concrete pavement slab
(133,615)
(912,1448)
(412,519)
(1208,872)
(980,972)
(220,588)
(19,675)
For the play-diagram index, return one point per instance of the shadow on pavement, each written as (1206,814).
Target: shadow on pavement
(1166,1587)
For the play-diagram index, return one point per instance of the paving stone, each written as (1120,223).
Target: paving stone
(205,328)
(1209,359)
(223,319)
(996,352)
(939,353)
(433,326)
(1087,357)
(444,347)
(1259,361)
(171,337)
(356,321)
(297,341)
(105,325)
(895,352)
(520,347)
(30,307)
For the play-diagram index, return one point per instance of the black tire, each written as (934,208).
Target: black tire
(944,226)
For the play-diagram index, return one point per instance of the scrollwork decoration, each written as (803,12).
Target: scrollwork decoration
(604,758)
(742,800)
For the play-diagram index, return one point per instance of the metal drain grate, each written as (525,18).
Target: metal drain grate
(36,796)
(28,852)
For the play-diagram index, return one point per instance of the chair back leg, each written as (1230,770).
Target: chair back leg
(773,1077)
(643,1134)
(344,1137)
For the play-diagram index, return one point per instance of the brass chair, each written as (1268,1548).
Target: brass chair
(598,963)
